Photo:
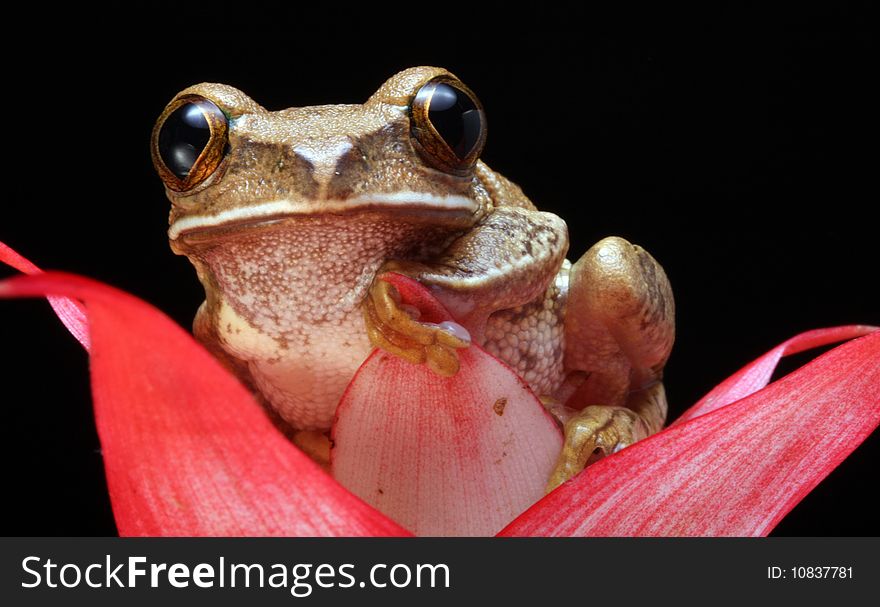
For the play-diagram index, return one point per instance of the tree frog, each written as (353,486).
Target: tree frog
(288,217)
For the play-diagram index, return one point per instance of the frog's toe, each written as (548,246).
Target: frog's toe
(442,360)
(382,337)
(592,433)
(395,328)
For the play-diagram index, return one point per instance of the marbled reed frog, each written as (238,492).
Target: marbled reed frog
(288,216)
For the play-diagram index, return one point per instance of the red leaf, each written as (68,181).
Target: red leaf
(756,374)
(735,471)
(188,452)
(69,311)
(443,456)
(186,448)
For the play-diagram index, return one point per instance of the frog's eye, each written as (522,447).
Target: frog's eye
(189,141)
(448,124)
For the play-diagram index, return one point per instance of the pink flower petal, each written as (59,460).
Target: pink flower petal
(187,450)
(735,471)
(69,311)
(443,456)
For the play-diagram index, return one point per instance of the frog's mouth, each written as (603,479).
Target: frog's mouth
(405,206)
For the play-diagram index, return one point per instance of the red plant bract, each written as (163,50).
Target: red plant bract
(189,452)
(458,455)
(737,470)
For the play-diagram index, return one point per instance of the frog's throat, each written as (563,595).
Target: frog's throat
(460,207)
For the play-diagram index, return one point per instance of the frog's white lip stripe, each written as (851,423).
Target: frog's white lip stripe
(283,207)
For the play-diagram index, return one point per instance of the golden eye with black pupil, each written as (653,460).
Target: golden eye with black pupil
(189,142)
(448,124)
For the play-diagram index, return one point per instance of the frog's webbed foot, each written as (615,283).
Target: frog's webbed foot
(395,328)
(597,431)
(592,433)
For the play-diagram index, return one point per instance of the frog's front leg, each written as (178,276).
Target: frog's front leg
(396,329)
(506,260)
(619,330)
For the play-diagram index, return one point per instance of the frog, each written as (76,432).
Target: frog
(291,218)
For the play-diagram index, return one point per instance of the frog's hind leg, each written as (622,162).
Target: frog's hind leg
(599,430)
(619,329)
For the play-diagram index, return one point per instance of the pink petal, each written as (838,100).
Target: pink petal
(443,456)
(735,471)
(69,311)
(186,448)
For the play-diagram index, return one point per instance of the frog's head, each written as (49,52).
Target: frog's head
(408,155)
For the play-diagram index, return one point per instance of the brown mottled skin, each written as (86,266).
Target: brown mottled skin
(310,204)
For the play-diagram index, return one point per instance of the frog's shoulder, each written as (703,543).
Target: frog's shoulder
(504,192)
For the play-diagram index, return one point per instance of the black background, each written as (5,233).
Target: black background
(733,145)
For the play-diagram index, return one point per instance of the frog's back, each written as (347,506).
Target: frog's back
(504,192)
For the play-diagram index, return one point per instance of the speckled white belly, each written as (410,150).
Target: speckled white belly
(289,304)
(304,382)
